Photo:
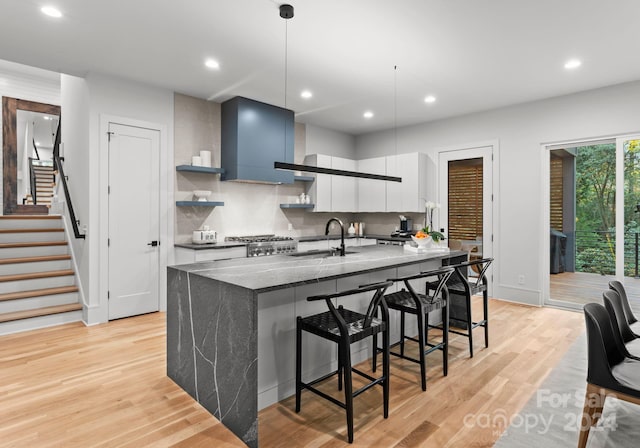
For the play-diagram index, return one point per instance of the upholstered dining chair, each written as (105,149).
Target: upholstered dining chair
(634,324)
(610,373)
(627,341)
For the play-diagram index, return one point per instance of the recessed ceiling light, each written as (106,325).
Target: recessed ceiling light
(46,117)
(430,99)
(368,114)
(211,63)
(51,11)
(572,63)
(306,94)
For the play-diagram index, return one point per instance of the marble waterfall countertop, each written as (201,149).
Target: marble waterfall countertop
(225,317)
(264,274)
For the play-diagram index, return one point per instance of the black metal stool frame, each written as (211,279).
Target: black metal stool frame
(341,320)
(409,301)
(464,287)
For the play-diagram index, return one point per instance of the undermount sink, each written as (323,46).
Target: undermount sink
(321,253)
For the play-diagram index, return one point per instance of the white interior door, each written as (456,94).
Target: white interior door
(484,153)
(134,258)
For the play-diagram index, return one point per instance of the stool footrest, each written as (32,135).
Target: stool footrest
(323,395)
(373,382)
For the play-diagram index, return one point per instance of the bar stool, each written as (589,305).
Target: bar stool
(460,284)
(409,301)
(344,327)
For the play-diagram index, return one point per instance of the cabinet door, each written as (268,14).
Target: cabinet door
(394,189)
(343,188)
(410,194)
(372,193)
(220,254)
(320,190)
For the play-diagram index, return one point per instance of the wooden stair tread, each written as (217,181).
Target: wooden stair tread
(34,275)
(34,259)
(30,217)
(53,229)
(38,293)
(32,244)
(26,314)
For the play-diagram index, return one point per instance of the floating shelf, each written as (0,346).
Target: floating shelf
(200,169)
(297,205)
(199,204)
(304,178)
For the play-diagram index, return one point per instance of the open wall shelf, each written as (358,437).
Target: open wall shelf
(297,205)
(200,169)
(199,204)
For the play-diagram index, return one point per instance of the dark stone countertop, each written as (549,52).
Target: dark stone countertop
(262,274)
(224,245)
(302,239)
(389,237)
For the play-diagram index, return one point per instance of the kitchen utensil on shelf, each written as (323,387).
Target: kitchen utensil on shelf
(205,158)
(196,161)
(202,195)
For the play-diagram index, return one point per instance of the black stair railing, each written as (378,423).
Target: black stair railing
(57,163)
(32,173)
(32,181)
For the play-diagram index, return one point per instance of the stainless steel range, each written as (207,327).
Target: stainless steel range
(261,245)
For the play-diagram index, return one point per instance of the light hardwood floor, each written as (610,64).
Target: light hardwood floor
(105,386)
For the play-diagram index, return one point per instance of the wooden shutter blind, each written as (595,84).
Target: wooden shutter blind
(465,201)
(557,193)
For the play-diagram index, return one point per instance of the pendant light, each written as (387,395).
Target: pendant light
(286,12)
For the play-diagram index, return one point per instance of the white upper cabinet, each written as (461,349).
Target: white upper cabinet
(410,194)
(372,193)
(320,190)
(332,193)
(343,188)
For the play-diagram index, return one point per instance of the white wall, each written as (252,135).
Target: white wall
(329,142)
(75,149)
(520,131)
(26,83)
(109,98)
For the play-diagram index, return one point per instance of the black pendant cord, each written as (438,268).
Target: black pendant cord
(395,106)
(286,61)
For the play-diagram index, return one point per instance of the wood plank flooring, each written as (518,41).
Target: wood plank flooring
(106,386)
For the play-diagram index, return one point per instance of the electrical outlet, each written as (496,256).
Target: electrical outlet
(520,279)
(290,226)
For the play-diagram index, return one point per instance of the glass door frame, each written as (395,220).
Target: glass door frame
(546,299)
(620,204)
(487,151)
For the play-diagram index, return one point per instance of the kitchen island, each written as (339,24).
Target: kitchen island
(231,323)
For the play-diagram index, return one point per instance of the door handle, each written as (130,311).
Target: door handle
(153,243)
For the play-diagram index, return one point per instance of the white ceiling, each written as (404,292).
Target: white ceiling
(472,55)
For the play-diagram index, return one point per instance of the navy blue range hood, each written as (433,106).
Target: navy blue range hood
(254,136)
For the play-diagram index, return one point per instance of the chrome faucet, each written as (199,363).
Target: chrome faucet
(326,232)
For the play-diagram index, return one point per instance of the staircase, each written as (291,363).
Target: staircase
(37,282)
(45,184)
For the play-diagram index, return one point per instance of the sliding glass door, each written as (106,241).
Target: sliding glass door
(628,204)
(594,216)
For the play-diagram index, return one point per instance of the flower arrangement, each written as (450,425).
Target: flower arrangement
(429,207)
